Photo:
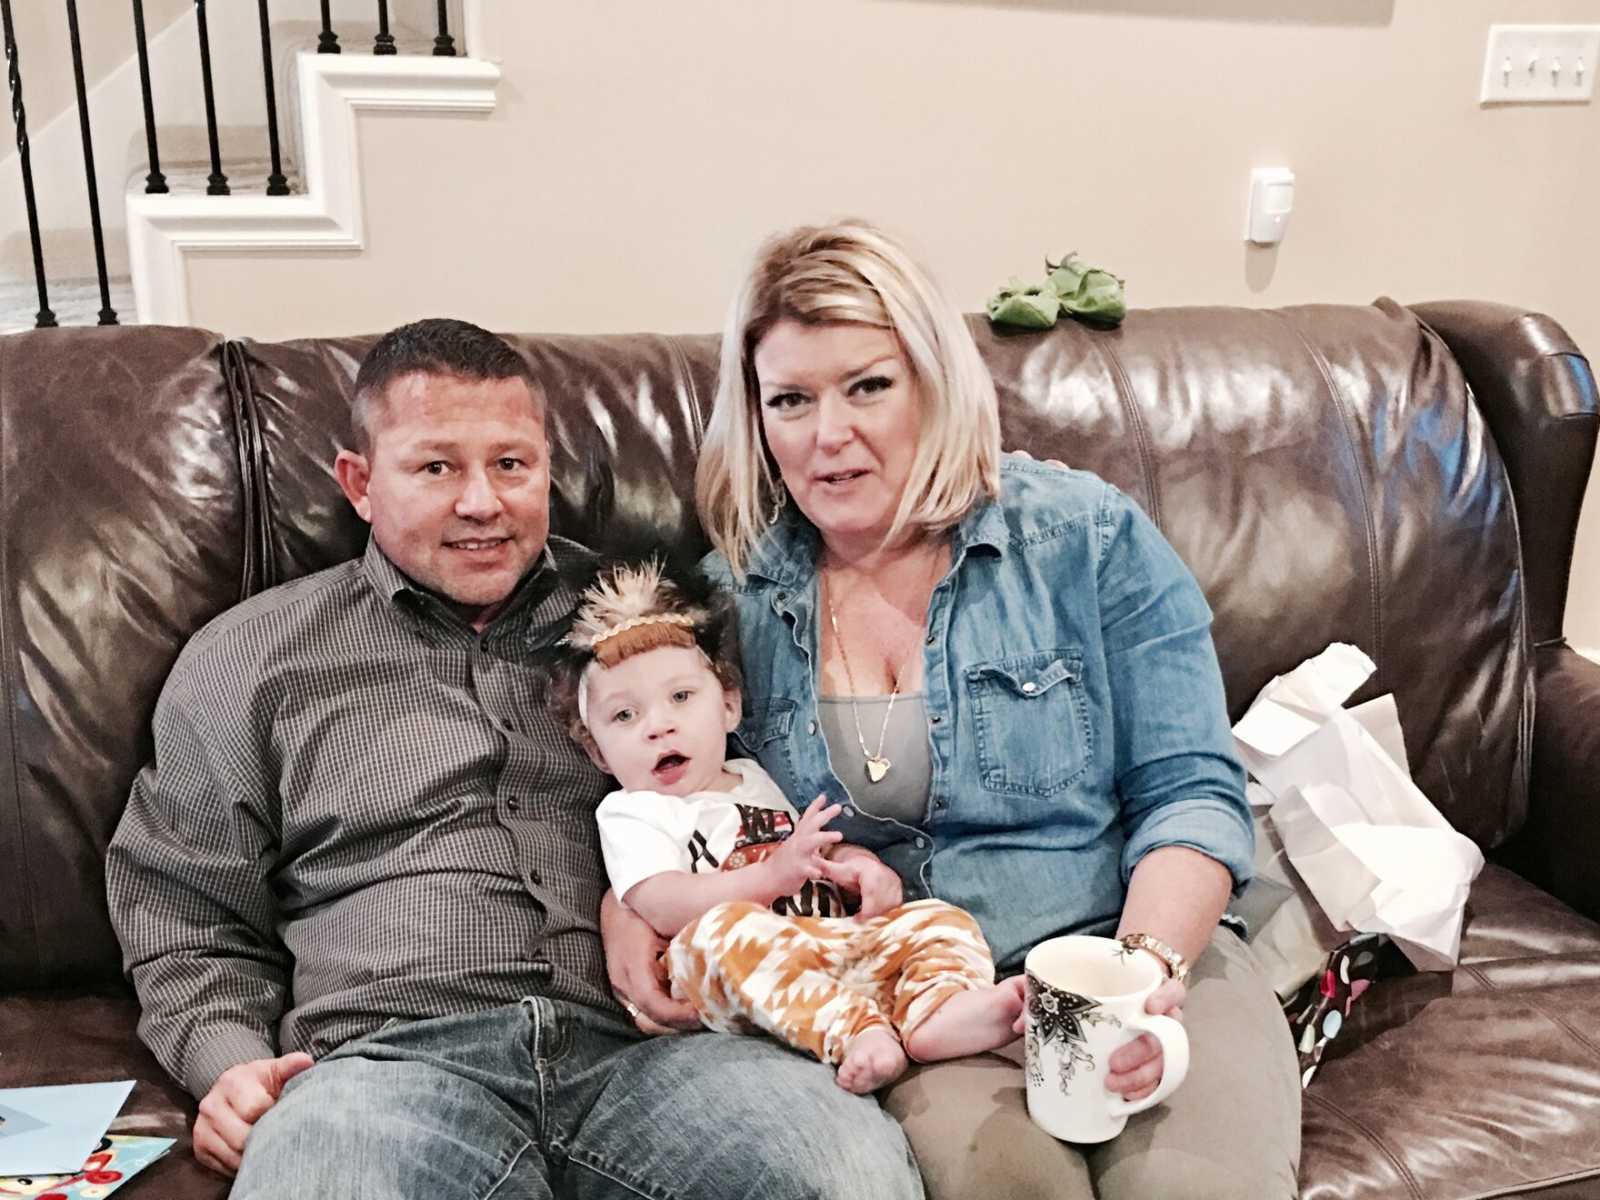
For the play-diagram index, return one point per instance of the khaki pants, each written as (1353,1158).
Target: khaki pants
(1231,1132)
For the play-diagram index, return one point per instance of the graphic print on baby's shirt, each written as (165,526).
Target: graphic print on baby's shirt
(761,832)
(644,833)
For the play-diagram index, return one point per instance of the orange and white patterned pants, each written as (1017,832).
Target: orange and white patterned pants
(818,983)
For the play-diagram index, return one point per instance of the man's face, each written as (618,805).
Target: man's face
(456,486)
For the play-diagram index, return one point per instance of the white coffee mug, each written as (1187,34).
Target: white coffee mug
(1086,997)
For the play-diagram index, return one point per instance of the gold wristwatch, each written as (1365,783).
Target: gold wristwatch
(1177,966)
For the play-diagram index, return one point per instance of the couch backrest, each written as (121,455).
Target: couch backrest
(1323,470)
(123,529)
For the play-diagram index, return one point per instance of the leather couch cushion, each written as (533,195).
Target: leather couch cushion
(1321,469)
(625,419)
(122,531)
(90,1036)
(1480,1082)
(1323,472)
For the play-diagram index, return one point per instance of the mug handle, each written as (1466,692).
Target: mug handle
(1174,1039)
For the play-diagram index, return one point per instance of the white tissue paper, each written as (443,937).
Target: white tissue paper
(1339,820)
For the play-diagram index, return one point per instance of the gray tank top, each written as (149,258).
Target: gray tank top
(902,794)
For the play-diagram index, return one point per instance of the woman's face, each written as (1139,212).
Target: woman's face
(841,410)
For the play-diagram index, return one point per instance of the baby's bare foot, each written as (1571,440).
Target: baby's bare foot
(970,1022)
(874,1059)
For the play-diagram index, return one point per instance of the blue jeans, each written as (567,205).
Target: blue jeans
(545,1098)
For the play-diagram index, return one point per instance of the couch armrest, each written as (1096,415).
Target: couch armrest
(1537,392)
(1556,848)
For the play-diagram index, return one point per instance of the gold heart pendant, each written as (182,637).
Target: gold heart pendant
(877,768)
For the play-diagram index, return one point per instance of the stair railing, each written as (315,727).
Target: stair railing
(155,181)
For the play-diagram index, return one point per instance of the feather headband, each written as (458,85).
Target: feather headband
(628,609)
(632,600)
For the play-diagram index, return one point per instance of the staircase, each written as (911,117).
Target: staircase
(147,237)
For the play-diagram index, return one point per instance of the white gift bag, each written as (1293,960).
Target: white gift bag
(1356,834)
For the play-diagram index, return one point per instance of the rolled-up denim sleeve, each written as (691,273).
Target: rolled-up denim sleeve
(1177,777)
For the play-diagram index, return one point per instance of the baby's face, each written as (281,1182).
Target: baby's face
(660,721)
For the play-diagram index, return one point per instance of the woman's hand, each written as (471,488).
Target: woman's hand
(637,973)
(1135,1069)
(859,872)
(1049,462)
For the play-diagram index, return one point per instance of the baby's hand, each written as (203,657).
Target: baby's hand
(800,858)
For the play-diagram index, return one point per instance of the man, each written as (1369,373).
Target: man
(358,887)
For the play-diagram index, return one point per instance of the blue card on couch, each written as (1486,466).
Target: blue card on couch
(52,1130)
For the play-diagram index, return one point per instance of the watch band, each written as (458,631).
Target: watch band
(1177,966)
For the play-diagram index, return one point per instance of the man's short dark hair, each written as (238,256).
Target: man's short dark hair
(435,346)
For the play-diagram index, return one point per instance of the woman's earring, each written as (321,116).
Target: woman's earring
(780,501)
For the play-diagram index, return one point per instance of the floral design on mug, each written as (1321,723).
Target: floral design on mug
(1060,1016)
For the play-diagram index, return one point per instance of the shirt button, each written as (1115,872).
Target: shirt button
(847,811)
(921,842)
(936,718)
(811,727)
(1030,687)
(930,641)
(513,804)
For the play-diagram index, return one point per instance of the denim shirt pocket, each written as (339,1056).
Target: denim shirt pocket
(763,734)
(1031,722)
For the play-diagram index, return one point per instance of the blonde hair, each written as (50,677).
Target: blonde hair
(853,273)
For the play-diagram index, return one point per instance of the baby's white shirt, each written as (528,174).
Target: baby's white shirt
(644,833)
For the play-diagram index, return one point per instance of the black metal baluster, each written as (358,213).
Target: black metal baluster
(108,315)
(155,182)
(217,182)
(19,116)
(444,45)
(327,40)
(384,43)
(277,185)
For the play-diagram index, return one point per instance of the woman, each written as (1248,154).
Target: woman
(1006,676)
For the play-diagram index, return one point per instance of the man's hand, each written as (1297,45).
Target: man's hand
(801,857)
(236,1102)
(637,974)
(1135,1069)
(861,873)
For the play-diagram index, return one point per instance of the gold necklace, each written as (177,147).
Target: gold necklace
(877,765)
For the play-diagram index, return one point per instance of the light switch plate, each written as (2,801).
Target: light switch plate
(1540,64)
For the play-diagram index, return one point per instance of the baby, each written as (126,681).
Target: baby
(713,856)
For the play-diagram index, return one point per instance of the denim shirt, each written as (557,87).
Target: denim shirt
(1076,718)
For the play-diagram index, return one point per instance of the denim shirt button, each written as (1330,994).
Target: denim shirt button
(1030,687)
(930,641)
(846,811)
(921,843)
(936,718)
(811,727)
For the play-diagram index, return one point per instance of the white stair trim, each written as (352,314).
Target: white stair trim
(163,229)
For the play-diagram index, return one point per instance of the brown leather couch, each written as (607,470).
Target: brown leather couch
(1404,479)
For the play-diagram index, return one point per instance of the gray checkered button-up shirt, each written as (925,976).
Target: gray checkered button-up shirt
(359,810)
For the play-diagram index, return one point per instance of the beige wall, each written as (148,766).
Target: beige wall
(640,150)
(44,48)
